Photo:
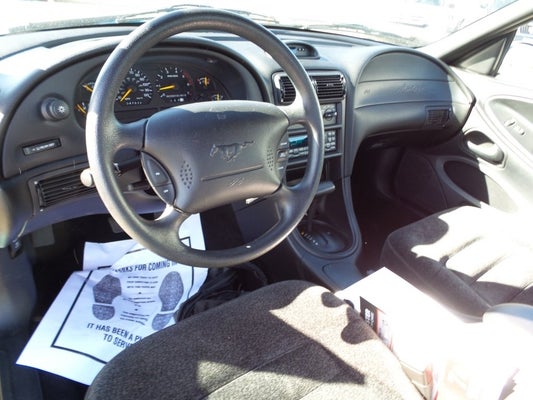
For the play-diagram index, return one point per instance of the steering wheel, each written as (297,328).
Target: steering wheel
(203,155)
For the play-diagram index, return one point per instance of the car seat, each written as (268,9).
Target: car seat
(288,340)
(468,258)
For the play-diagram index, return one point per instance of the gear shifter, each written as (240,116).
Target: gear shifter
(317,233)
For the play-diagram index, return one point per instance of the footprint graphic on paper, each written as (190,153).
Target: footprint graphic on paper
(170,294)
(104,292)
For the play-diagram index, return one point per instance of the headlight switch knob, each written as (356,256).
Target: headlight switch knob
(54,109)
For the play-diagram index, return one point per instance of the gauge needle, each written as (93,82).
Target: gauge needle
(169,87)
(88,88)
(81,109)
(128,92)
(204,81)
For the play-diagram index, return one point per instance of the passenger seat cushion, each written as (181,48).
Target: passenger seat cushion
(468,258)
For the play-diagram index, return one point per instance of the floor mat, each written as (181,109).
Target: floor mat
(17,382)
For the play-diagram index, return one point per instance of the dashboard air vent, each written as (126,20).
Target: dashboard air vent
(60,187)
(287,92)
(437,117)
(328,87)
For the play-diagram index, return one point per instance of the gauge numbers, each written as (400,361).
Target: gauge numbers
(136,89)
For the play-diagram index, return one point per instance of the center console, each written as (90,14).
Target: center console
(323,247)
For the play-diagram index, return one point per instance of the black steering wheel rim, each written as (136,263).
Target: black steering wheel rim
(105,136)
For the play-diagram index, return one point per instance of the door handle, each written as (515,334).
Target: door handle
(484,148)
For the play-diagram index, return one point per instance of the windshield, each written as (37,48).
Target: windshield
(406,22)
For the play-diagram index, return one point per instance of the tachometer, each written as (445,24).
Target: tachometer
(136,89)
(174,85)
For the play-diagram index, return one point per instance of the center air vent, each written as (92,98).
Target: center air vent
(327,87)
(62,187)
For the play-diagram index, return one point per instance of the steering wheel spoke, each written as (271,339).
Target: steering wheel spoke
(295,112)
(165,227)
(130,135)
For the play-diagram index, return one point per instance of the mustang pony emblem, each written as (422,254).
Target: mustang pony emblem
(229,152)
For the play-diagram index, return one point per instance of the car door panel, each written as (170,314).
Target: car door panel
(513,115)
(489,162)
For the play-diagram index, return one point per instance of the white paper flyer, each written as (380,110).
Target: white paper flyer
(99,312)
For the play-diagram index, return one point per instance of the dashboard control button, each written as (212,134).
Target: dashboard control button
(53,109)
(43,146)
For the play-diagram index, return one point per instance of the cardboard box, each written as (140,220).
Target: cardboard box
(445,357)
(413,325)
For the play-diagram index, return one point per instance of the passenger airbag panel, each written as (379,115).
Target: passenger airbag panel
(406,92)
(402,91)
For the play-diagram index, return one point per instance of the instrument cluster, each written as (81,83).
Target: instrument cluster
(152,86)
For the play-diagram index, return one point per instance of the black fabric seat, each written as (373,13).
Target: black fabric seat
(289,340)
(468,258)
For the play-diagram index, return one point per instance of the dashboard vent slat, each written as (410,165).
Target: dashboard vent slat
(59,188)
(287,90)
(328,87)
(437,117)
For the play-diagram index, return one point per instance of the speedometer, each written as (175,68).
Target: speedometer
(136,89)
(174,85)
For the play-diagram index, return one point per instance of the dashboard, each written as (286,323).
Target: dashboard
(40,133)
(45,92)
